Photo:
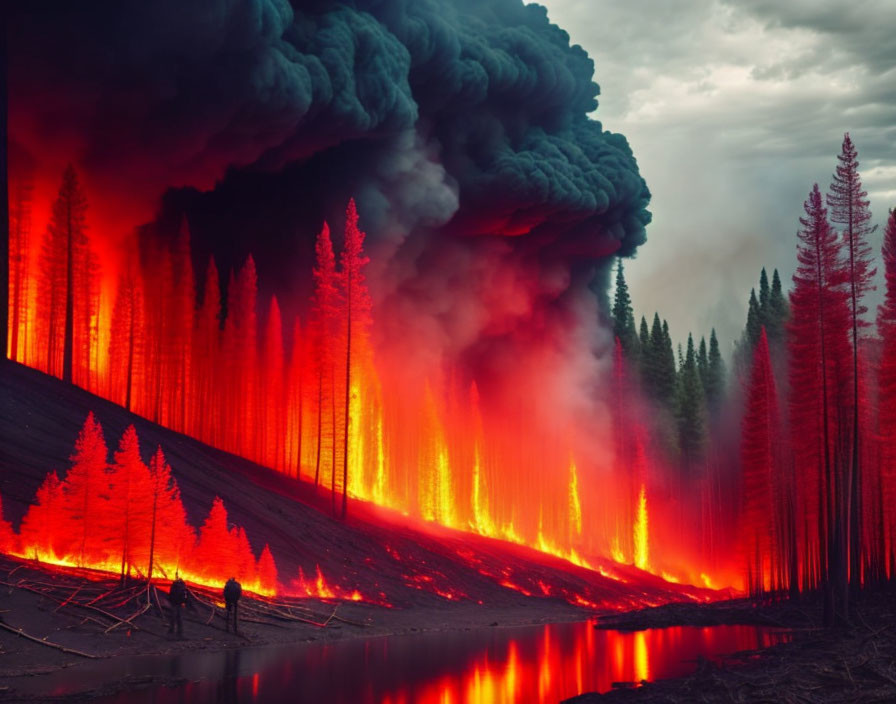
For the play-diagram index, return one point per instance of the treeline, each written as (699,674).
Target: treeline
(814,392)
(825,476)
(685,388)
(127,517)
(203,363)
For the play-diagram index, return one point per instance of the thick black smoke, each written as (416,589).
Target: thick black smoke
(491,199)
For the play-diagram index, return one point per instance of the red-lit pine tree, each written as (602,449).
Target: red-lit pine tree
(182,303)
(323,315)
(241,335)
(21,189)
(272,399)
(296,393)
(128,522)
(761,462)
(86,497)
(43,523)
(215,553)
(126,335)
(267,571)
(207,355)
(243,558)
(355,302)
(63,258)
(850,209)
(171,538)
(819,367)
(886,388)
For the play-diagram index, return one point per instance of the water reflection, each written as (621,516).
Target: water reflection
(536,664)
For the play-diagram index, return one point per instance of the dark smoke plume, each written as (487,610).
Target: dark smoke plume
(491,199)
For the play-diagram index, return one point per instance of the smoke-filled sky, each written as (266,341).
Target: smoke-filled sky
(494,204)
(733,109)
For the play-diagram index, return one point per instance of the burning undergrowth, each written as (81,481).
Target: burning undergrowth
(382,559)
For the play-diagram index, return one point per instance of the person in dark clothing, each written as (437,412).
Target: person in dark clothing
(232,593)
(177,597)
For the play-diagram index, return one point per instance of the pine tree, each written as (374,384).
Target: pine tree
(272,402)
(764,298)
(267,571)
(886,384)
(849,208)
(691,417)
(181,320)
(668,371)
(296,392)
(645,359)
(206,359)
(126,335)
(715,376)
(323,316)
(64,270)
(778,311)
(624,318)
(703,363)
(86,495)
(819,353)
(356,305)
(43,523)
(243,558)
(170,536)
(216,553)
(129,519)
(21,193)
(760,460)
(754,321)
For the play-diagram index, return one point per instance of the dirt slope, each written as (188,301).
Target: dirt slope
(378,552)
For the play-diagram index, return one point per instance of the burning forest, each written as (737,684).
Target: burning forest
(357,271)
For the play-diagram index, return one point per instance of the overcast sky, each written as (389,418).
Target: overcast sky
(733,110)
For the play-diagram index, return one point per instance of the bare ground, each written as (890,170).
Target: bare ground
(851,664)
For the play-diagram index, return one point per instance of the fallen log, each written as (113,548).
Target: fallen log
(21,633)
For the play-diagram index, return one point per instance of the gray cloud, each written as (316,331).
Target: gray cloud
(734,109)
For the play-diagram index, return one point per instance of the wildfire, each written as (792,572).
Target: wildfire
(640,532)
(319,588)
(431,448)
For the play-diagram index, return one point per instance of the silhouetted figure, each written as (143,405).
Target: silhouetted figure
(232,593)
(177,597)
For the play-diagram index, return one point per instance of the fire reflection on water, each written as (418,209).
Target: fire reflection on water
(497,665)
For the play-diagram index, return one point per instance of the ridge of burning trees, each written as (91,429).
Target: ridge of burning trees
(212,370)
(220,366)
(128,517)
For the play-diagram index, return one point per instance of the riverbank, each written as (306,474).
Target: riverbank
(851,664)
(61,608)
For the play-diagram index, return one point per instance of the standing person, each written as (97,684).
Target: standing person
(177,597)
(232,593)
